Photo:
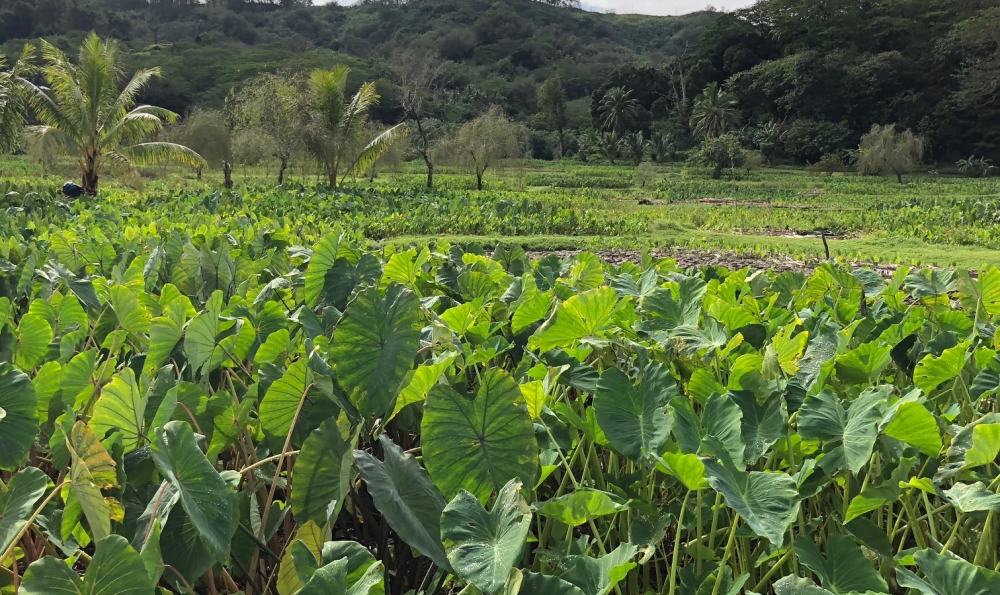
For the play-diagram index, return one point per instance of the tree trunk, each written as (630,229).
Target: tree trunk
(333,180)
(227,174)
(281,171)
(562,148)
(899,178)
(199,173)
(430,172)
(424,152)
(90,178)
(479,180)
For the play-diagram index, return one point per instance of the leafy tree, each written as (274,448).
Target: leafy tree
(714,112)
(487,142)
(337,132)
(417,75)
(271,108)
(207,133)
(976,167)
(829,164)
(552,101)
(609,146)
(13,112)
(617,109)
(84,114)
(885,151)
(719,153)
(635,143)
(661,147)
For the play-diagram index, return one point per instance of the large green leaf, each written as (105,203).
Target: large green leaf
(580,506)
(116,569)
(277,409)
(973,498)
(768,502)
(933,371)
(945,575)
(32,341)
(849,433)
(361,564)
(483,546)
(209,503)
(844,570)
(321,475)
(533,583)
(865,364)
(374,346)
(721,418)
(18,416)
(479,445)
(762,424)
(794,585)
(320,271)
(405,496)
(585,315)
(93,470)
(635,418)
(599,576)
(122,407)
(18,502)
(915,425)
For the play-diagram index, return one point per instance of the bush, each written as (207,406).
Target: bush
(808,140)
(885,151)
(719,153)
(829,164)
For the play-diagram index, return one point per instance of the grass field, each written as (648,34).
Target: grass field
(931,219)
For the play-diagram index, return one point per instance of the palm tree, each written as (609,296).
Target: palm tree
(618,108)
(84,113)
(13,85)
(714,112)
(338,136)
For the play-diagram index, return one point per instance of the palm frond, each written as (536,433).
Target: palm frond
(376,149)
(52,141)
(139,81)
(158,152)
(328,88)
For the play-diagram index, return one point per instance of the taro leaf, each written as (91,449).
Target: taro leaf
(599,576)
(845,570)
(821,349)
(277,409)
(121,406)
(321,476)
(406,497)
(31,341)
(580,506)
(985,445)
(164,333)
(531,311)
(720,418)
(585,315)
(321,273)
(18,417)
(424,378)
(793,585)
(533,583)
(209,503)
(93,470)
(933,371)
(688,468)
(945,575)
(865,364)
(973,498)
(762,425)
(116,569)
(768,502)
(479,445)
(359,559)
(916,426)
(151,556)
(311,536)
(665,313)
(483,546)
(635,419)
(18,502)
(374,346)
(331,579)
(849,433)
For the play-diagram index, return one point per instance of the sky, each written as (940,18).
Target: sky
(657,7)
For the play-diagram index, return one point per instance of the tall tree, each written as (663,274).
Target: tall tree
(552,101)
(487,142)
(618,108)
(13,112)
(83,113)
(271,109)
(207,133)
(337,134)
(417,75)
(886,151)
(714,112)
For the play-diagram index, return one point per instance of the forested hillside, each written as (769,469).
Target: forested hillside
(496,52)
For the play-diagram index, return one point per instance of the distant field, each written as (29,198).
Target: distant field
(929,220)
